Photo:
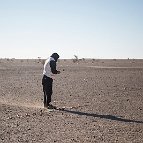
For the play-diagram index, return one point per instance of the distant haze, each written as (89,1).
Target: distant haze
(86,28)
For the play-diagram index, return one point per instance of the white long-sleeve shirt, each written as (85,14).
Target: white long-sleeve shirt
(50,67)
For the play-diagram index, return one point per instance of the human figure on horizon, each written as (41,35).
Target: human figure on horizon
(47,80)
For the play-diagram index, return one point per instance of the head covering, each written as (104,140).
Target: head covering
(55,56)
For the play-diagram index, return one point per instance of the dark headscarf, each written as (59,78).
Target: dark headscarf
(55,56)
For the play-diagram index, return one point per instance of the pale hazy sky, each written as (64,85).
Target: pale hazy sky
(86,28)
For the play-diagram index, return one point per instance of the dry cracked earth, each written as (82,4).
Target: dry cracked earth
(103,102)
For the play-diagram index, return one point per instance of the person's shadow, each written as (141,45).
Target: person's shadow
(108,117)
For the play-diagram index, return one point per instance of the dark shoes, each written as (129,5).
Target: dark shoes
(50,106)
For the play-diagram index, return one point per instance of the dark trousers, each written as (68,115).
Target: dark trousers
(47,83)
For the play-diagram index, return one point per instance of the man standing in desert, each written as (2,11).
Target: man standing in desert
(47,81)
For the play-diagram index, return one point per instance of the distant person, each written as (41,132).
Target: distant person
(47,81)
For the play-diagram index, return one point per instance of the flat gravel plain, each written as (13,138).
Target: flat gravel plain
(103,102)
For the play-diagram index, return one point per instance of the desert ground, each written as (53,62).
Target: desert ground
(103,102)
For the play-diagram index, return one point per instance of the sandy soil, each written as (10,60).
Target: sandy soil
(103,100)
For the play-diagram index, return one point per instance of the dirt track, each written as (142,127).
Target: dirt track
(106,97)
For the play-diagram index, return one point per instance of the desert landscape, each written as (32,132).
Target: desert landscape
(103,102)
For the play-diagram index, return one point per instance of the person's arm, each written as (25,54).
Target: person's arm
(53,67)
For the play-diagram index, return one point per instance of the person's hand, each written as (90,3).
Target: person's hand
(58,72)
